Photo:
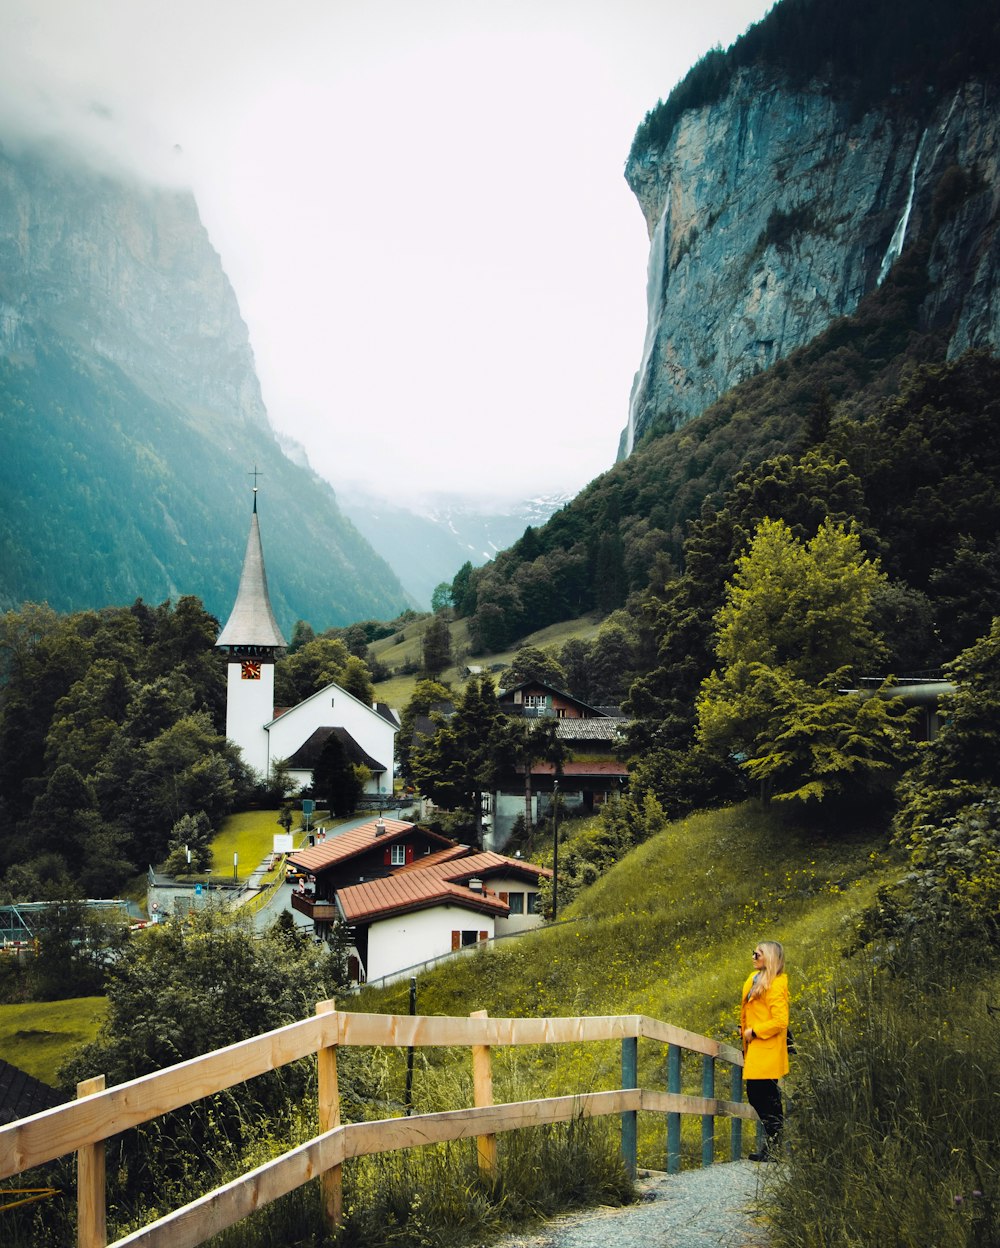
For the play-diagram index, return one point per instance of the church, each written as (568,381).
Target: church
(297,734)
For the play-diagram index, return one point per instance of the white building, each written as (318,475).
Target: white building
(254,641)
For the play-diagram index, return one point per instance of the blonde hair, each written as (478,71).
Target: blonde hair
(774,963)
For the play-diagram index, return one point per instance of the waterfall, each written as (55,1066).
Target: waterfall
(654,311)
(895,248)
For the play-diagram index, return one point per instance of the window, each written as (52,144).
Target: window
(516,902)
(397,855)
(532,903)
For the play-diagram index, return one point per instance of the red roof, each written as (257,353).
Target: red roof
(444,881)
(414,890)
(342,846)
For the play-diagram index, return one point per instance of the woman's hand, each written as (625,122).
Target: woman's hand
(748,1034)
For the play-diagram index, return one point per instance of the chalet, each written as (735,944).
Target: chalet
(535,700)
(590,774)
(429,909)
(411,894)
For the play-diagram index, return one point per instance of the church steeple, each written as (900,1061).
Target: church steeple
(253,639)
(251,624)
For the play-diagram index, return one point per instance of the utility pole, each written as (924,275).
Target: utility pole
(555,849)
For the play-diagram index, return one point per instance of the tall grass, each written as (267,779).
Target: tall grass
(895,1129)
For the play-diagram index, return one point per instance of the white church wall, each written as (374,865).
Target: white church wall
(333,707)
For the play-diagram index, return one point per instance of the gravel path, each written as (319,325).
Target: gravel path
(707,1208)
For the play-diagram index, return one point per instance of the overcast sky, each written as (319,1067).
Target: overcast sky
(420,204)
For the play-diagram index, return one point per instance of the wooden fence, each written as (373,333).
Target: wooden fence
(84,1125)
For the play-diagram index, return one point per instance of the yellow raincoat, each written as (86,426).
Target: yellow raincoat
(766,1056)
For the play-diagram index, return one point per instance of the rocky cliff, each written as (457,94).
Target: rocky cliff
(772,210)
(131,414)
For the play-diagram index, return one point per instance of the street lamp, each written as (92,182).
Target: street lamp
(555,849)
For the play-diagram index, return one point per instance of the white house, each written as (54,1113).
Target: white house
(425,910)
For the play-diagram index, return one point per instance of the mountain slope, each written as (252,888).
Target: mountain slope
(132,417)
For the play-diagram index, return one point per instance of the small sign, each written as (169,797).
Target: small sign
(308,805)
(284,842)
(197,890)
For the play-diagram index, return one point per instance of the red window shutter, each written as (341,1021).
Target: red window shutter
(456,940)
(484,935)
(505,898)
(409,853)
(386,857)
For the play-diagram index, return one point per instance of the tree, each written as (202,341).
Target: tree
(794,631)
(356,679)
(460,762)
(335,779)
(427,694)
(441,597)
(436,646)
(181,989)
(532,663)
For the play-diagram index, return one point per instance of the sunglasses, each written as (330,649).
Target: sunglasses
(757,953)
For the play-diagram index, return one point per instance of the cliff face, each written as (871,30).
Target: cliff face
(124,272)
(131,415)
(770,214)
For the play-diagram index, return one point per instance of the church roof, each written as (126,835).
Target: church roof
(307,756)
(252,621)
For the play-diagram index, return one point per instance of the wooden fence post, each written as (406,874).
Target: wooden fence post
(482,1087)
(707,1120)
(673,1119)
(91,1207)
(331,1181)
(630,1079)
(736,1126)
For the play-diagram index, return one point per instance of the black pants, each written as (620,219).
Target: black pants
(765,1098)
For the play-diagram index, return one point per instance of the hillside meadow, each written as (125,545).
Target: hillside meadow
(404,650)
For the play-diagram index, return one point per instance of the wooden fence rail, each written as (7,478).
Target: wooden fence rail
(83,1126)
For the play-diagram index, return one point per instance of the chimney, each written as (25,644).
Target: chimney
(476,885)
(380,827)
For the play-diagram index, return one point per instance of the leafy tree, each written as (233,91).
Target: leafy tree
(958,768)
(314,665)
(302,632)
(180,989)
(533,663)
(530,741)
(436,646)
(796,627)
(441,597)
(356,679)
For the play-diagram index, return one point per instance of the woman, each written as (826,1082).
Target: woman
(764,1027)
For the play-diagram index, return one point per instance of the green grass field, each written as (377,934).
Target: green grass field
(40,1036)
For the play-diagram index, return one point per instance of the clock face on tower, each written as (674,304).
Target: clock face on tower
(250,669)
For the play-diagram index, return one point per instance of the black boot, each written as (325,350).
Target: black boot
(771,1150)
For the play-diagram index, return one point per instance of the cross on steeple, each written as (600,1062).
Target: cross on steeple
(255,474)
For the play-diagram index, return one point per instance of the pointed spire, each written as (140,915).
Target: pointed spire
(252,621)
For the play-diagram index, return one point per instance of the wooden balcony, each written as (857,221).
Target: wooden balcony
(319,911)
